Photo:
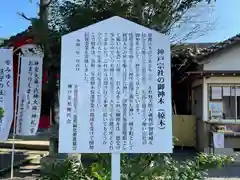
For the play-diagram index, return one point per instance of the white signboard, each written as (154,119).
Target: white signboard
(6,92)
(218,139)
(216,93)
(115,90)
(29,103)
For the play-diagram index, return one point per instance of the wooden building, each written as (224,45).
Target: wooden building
(214,95)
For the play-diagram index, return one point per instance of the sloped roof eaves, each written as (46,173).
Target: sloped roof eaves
(12,39)
(206,52)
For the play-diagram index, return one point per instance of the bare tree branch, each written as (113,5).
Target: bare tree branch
(24,16)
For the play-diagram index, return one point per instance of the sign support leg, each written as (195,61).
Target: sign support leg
(116,166)
(15,118)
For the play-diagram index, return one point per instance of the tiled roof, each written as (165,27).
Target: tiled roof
(26,33)
(205,52)
(197,52)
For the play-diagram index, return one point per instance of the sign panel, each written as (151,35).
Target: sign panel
(216,92)
(29,103)
(6,92)
(216,110)
(218,139)
(115,91)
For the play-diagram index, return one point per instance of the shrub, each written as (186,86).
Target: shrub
(138,167)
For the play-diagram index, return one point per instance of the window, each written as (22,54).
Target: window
(224,102)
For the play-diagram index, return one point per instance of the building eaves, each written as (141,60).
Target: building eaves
(206,52)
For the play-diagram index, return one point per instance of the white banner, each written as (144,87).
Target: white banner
(29,103)
(6,92)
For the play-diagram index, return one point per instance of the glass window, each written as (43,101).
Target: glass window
(229,102)
(224,102)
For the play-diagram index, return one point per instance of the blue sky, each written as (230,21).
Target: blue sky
(226,11)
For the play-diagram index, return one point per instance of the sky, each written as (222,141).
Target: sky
(227,13)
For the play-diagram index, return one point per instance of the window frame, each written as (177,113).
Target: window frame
(209,99)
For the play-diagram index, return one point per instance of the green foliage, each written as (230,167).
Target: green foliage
(160,15)
(138,167)
(67,16)
(1,112)
(70,169)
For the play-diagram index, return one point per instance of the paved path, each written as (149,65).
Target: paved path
(229,172)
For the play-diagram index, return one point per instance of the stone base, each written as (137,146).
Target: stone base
(54,157)
(48,161)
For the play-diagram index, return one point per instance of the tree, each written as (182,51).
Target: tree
(164,16)
(161,15)
(180,19)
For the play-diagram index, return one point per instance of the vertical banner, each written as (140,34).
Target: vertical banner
(29,98)
(6,92)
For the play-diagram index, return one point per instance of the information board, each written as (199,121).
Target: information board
(115,94)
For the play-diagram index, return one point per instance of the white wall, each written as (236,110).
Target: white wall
(197,103)
(228,60)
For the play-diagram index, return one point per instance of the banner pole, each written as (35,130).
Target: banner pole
(15,116)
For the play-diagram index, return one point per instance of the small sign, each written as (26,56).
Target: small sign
(216,92)
(216,110)
(218,140)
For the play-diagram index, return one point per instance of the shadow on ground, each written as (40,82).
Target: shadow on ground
(24,165)
(229,171)
(30,170)
(5,159)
